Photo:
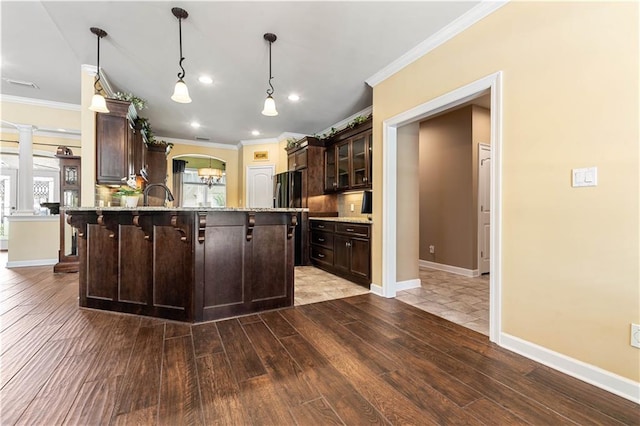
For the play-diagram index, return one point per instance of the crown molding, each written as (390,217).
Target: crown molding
(198,143)
(45,132)
(368,110)
(477,13)
(264,141)
(39,102)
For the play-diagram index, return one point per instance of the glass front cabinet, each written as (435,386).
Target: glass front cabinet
(69,197)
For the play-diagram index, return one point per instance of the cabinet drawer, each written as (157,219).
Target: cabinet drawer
(353,229)
(322,238)
(321,225)
(322,254)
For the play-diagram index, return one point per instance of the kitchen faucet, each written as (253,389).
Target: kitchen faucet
(145,193)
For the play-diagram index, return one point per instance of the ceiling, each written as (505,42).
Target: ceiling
(324,53)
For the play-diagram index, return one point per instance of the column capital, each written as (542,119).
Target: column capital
(25,127)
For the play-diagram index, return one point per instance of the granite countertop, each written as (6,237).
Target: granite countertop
(183,209)
(343,219)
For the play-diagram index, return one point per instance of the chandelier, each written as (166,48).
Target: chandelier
(209,175)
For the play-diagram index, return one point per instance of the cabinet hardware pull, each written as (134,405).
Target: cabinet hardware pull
(349,229)
(320,255)
(321,226)
(321,240)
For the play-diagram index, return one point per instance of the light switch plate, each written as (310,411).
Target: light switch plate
(584,177)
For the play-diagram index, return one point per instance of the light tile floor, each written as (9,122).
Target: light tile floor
(459,299)
(315,285)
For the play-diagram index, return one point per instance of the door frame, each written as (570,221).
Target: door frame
(482,146)
(492,83)
(246,186)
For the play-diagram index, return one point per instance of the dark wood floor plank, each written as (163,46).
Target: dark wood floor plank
(179,392)
(94,403)
(206,339)
(491,413)
(25,385)
(19,330)
(244,360)
(618,408)
(221,403)
(290,381)
(13,315)
(350,406)
(366,354)
(385,330)
(262,402)
(315,412)
(55,398)
(248,319)
(176,329)
(141,382)
(278,325)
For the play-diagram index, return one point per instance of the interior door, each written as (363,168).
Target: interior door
(484,207)
(260,186)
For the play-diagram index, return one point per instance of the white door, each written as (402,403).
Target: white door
(484,207)
(260,186)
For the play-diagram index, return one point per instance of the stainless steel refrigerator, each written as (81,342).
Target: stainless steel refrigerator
(287,193)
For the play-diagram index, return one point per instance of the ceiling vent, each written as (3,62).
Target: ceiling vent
(21,83)
(200,138)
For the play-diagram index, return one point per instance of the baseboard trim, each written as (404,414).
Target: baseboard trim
(591,374)
(377,290)
(448,268)
(406,285)
(36,262)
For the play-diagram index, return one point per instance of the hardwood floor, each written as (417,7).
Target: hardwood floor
(358,360)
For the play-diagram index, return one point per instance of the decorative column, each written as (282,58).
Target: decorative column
(25,169)
(87,137)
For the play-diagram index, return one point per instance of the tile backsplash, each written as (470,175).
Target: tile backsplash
(346,200)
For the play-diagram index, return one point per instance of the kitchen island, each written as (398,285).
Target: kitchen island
(186,264)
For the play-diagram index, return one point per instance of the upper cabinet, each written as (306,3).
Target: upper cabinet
(114,139)
(307,156)
(348,159)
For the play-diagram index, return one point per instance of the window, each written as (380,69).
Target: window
(195,193)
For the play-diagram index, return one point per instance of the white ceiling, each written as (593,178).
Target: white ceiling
(325,51)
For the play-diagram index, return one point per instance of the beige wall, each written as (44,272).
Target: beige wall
(33,239)
(229,156)
(446,214)
(570,273)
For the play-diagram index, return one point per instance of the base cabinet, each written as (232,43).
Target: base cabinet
(342,248)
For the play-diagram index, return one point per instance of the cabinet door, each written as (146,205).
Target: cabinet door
(342,253)
(291,162)
(344,165)
(301,159)
(111,148)
(369,138)
(359,161)
(330,182)
(360,257)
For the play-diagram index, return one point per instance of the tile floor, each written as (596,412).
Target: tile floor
(459,299)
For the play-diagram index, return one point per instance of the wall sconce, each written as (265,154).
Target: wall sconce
(180,92)
(269,103)
(98,103)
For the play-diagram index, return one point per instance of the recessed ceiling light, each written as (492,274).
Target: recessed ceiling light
(255,132)
(293,97)
(61,130)
(205,79)
(195,124)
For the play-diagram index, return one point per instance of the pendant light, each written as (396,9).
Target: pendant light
(269,103)
(181,92)
(98,103)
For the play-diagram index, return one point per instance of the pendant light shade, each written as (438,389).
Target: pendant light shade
(180,92)
(270,104)
(269,107)
(98,103)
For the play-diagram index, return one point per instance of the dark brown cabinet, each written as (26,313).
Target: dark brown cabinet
(342,248)
(308,158)
(114,138)
(348,159)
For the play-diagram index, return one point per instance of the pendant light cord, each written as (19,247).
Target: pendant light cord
(270,91)
(180,74)
(95,83)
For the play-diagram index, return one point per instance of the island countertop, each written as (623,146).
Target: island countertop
(345,219)
(186,264)
(187,209)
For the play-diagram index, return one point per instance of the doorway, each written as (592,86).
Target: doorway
(390,223)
